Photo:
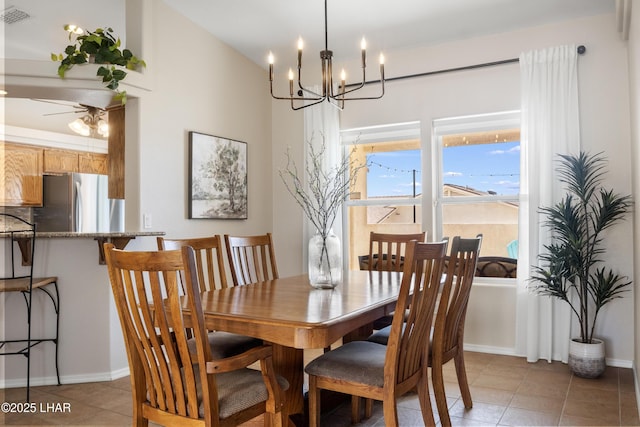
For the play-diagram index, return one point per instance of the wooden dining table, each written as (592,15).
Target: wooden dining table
(292,315)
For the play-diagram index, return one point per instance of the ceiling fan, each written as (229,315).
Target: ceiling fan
(94,122)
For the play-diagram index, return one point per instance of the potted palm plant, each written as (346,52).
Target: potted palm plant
(573,267)
(100,47)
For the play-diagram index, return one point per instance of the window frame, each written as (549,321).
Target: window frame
(372,135)
(457,125)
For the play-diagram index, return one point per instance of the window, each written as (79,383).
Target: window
(388,197)
(478,177)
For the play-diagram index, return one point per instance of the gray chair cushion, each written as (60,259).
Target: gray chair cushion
(225,344)
(381,336)
(357,361)
(239,390)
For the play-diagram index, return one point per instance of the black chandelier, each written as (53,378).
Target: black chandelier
(308,97)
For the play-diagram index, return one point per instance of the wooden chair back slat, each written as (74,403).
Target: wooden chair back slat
(409,337)
(448,334)
(147,287)
(460,272)
(387,251)
(251,258)
(209,259)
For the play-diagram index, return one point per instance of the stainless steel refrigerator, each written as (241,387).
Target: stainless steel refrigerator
(78,202)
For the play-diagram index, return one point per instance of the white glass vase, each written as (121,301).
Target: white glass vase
(325,261)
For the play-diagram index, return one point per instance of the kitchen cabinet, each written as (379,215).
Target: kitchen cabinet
(92,163)
(60,161)
(21,179)
(69,161)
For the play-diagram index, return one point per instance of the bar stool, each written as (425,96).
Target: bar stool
(21,237)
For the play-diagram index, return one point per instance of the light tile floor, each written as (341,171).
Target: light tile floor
(506,391)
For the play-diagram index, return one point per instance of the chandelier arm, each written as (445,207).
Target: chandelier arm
(305,105)
(295,98)
(304,89)
(343,98)
(360,86)
(357,98)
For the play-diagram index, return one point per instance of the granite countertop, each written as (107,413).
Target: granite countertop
(73,234)
(119,239)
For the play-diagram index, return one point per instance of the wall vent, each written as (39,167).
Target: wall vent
(12,15)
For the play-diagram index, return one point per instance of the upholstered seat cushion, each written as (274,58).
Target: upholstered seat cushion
(382,336)
(225,344)
(240,390)
(357,361)
(237,390)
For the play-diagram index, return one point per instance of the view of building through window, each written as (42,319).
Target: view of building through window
(477,174)
(480,183)
(388,197)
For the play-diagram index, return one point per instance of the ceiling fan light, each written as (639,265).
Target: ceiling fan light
(103,128)
(79,126)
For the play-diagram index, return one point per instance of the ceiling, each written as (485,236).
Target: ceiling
(276,25)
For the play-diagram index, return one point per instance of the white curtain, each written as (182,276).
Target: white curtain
(550,126)
(320,120)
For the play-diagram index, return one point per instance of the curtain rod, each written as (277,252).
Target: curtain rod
(581,50)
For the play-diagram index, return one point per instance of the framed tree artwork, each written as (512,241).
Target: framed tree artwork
(217,177)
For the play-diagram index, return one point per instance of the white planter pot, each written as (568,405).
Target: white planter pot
(587,360)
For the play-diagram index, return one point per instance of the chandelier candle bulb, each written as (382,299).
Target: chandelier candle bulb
(291,81)
(270,66)
(363,47)
(300,45)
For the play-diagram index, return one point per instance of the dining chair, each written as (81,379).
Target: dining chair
(447,341)
(374,371)
(18,277)
(170,384)
(209,258)
(252,259)
(211,275)
(448,334)
(386,250)
(386,253)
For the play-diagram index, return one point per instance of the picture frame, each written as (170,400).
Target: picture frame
(217,177)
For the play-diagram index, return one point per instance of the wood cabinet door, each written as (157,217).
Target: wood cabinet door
(92,163)
(21,179)
(60,161)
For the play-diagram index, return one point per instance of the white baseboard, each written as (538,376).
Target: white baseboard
(619,363)
(505,351)
(68,379)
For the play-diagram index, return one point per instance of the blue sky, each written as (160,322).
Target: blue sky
(484,167)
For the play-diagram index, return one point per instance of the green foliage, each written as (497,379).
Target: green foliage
(103,48)
(569,269)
